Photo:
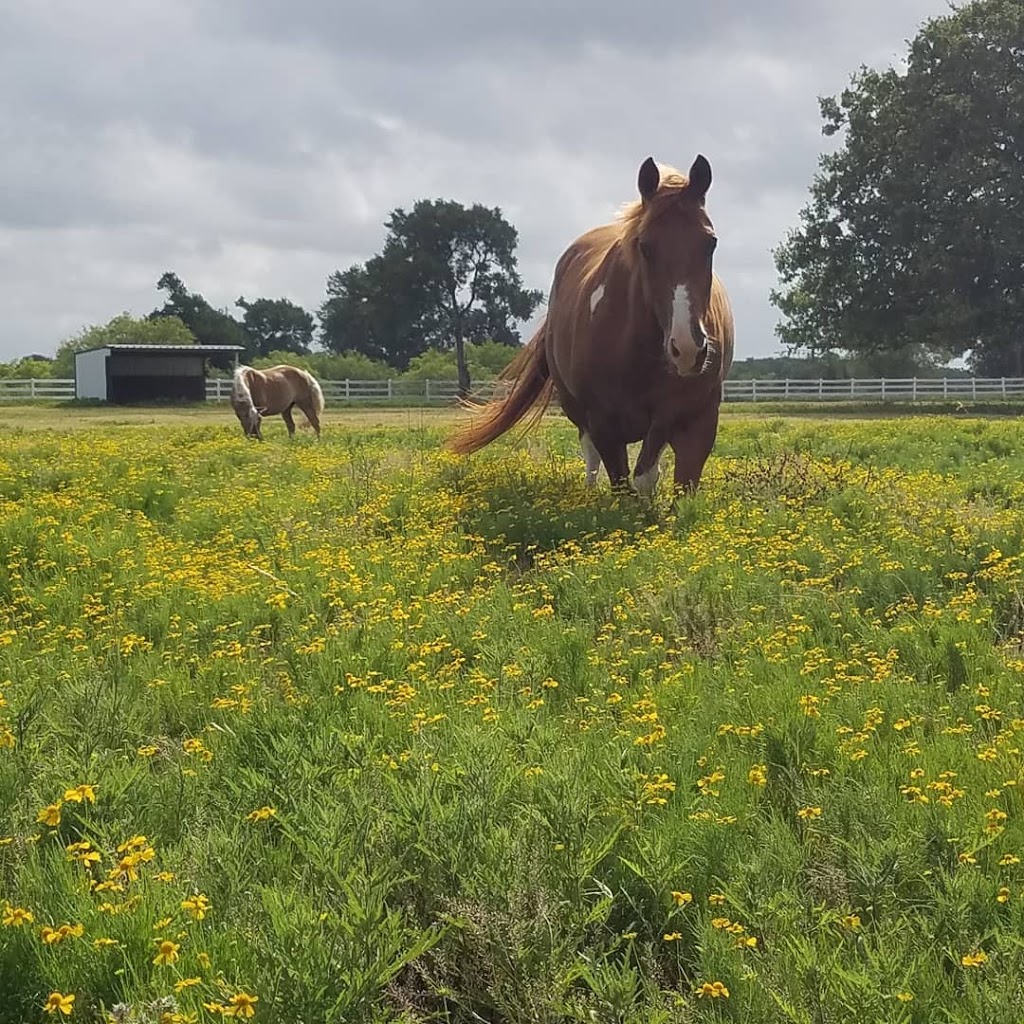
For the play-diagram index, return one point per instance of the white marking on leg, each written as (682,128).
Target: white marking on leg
(646,483)
(591,458)
(596,296)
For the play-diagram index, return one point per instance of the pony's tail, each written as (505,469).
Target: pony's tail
(531,386)
(318,394)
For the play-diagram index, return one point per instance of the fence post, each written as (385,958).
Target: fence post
(821,388)
(427,388)
(913,390)
(853,381)
(32,387)
(389,388)
(786,393)
(348,390)
(974,387)
(1003,382)
(883,389)
(945,390)
(753,390)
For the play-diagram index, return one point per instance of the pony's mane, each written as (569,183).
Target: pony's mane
(240,387)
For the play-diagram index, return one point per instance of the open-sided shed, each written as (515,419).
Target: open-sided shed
(124,374)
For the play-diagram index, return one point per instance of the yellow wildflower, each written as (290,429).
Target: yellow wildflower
(56,1002)
(15,917)
(261,814)
(167,952)
(241,1005)
(712,990)
(198,906)
(50,815)
(84,792)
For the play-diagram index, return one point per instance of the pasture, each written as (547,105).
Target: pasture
(361,731)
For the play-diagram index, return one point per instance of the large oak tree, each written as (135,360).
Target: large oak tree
(447,275)
(913,241)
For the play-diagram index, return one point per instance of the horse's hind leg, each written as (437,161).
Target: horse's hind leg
(310,413)
(591,458)
(288,421)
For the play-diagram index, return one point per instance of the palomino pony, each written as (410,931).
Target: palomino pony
(637,340)
(259,393)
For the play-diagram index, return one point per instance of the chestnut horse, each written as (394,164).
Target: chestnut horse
(259,393)
(637,340)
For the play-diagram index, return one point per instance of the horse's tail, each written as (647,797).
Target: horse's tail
(531,386)
(318,394)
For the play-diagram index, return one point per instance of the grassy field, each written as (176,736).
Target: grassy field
(358,731)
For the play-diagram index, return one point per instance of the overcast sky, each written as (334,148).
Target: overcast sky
(254,146)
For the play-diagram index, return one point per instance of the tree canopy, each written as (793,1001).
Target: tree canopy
(210,326)
(913,240)
(123,329)
(275,325)
(447,276)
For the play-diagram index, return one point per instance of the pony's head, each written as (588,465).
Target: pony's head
(673,243)
(251,421)
(245,409)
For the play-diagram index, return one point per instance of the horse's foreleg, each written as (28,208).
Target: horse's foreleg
(289,422)
(646,471)
(692,445)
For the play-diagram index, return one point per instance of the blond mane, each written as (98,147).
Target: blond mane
(632,214)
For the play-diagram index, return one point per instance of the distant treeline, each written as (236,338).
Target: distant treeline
(487,359)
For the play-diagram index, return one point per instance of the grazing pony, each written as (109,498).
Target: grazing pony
(637,340)
(259,393)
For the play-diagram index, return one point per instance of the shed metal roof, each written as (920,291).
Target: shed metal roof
(187,350)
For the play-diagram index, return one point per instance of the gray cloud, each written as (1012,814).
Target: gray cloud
(254,147)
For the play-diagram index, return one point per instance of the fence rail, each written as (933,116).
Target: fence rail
(882,389)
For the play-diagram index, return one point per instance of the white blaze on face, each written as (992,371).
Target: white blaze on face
(596,297)
(680,334)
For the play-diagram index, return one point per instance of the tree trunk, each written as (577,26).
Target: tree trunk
(460,359)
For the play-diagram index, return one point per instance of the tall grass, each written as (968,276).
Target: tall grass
(358,731)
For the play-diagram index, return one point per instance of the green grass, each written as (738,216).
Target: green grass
(533,752)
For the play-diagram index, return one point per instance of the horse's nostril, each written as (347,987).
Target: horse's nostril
(675,351)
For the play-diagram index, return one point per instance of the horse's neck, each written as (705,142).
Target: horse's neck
(621,269)
(256,388)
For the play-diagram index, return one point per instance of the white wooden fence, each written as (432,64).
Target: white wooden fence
(882,389)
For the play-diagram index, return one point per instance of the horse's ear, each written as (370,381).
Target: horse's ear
(700,177)
(649,178)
